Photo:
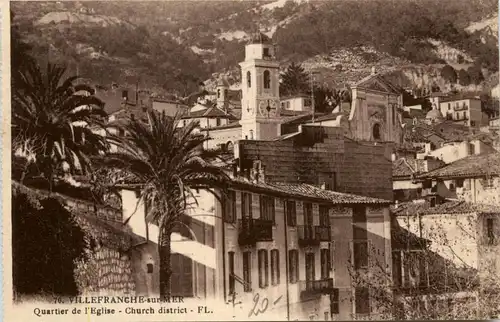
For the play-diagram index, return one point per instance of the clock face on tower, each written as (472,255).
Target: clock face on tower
(267,108)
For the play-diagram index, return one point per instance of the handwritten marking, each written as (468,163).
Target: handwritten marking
(264,304)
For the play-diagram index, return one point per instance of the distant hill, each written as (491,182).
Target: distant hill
(173,45)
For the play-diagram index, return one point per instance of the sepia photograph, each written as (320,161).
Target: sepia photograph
(286,160)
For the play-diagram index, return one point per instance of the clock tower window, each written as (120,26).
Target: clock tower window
(249,79)
(267,79)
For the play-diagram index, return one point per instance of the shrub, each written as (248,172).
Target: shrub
(46,242)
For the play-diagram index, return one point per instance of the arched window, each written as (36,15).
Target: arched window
(249,80)
(267,79)
(376,132)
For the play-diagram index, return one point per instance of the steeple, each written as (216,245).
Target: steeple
(260,90)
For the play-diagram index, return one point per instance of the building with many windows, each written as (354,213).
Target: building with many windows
(295,245)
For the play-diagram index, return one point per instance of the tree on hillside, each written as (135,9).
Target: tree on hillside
(294,80)
(19,54)
(463,78)
(476,74)
(449,74)
(167,162)
(51,120)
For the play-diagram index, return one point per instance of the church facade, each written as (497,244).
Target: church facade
(374,114)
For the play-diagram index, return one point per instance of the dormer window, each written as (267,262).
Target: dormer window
(249,79)
(267,79)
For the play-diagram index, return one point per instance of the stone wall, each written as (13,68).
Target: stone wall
(105,272)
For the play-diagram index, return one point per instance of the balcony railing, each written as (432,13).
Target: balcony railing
(313,235)
(254,230)
(313,289)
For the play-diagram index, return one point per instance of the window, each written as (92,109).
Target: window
(230,214)
(449,106)
(247,271)
(293,265)
(334,301)
(217,121)
(275,267)
(360,253)
(433,202)
(308,214)
(393,110)
(231,271)
(246,205)
(291,213)
(362,299)
(459,183)
(452,186)
(218,93)
(325,263)
(310,267)
(267,210)
(415,269)
(249,79)
(472,123)
(360,238)
(263,268)
(265,52)
(376,132)
(149,267)
(490,231)
(324,216)
(267,79)
(125,95)
(396,268)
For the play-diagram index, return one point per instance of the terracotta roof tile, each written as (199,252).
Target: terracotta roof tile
(448,207)
(472,166)
(401,168)
(209,112)
(332,196)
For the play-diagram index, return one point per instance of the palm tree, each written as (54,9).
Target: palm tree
(51,122)
(168,162)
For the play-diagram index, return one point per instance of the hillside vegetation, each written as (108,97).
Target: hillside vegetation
(173,45)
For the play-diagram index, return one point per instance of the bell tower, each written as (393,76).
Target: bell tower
(260,106)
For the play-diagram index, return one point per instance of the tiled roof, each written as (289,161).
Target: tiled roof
(297,119)
(459,98)
(401,168)
(293,190)
(405,167)
(472,166)
(231,125)
(448,207)
(327,117)
(209,112)
(332,196)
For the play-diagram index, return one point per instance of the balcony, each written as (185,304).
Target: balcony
(314,289)
(252,231)
(313,235)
